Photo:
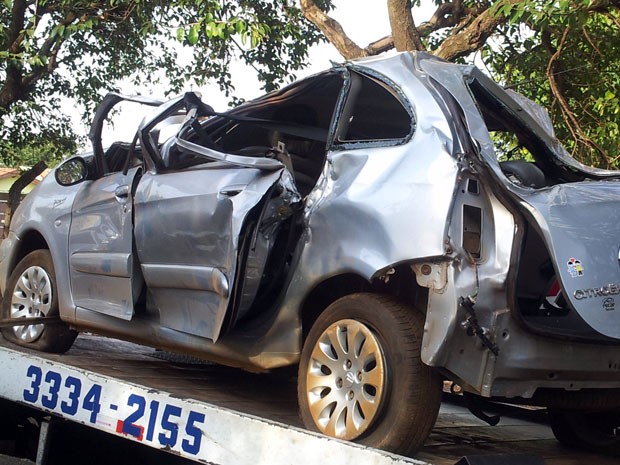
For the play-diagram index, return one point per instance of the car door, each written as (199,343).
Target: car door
(188,225)
(101,258)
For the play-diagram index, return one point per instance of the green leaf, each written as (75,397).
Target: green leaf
(210,29)
(180,34)
(240,26)
(192,36)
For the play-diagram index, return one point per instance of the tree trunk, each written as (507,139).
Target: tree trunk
(404,30)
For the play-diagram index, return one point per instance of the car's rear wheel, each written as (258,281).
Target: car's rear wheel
(594,431)
(361,377)
(31,292)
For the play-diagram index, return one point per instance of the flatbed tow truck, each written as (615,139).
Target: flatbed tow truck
(213,414)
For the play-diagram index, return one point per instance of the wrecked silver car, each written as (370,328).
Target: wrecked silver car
(367,223)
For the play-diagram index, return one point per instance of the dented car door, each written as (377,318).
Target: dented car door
(187,231)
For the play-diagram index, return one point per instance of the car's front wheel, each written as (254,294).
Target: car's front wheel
(361,377)
(31,292)
(594,431)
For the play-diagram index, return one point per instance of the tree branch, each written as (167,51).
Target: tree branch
(332,30)
(572,123)
(380,46)
(11,87)
(474,35)
(448,15)
(18,18)
(18,84)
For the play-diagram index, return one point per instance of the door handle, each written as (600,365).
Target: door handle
(231,191)
(121,192)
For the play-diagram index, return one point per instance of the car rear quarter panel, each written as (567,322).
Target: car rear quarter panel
(374,207)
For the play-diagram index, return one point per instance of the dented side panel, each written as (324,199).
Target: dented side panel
(376,206)
(187,228)
(478,270)
(576,220)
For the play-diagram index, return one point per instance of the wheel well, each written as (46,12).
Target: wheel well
(400,283)
(31,241)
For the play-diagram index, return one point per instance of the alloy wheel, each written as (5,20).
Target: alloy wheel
(32,297)
(346,379)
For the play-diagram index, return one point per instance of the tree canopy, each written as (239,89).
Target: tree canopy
(82,49)
(565,54)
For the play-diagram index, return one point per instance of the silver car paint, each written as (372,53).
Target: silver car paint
(187,227)
(374,208)
(102,271)
(528,361)
(371,207)
(48,213)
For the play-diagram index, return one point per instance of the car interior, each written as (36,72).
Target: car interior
(526,162)
(290,125)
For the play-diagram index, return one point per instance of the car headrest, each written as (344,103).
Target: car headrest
(524,173)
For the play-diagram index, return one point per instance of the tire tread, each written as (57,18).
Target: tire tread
(411,410)
(57,337)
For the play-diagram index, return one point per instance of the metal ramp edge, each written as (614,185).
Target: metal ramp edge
(192,429)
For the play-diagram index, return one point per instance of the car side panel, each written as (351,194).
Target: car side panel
(45,211)
(187,228)
(378,206)
(100,246)
(366,226)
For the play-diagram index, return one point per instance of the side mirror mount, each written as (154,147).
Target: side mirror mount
(72,171)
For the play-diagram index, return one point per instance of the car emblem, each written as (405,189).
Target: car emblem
(609,304)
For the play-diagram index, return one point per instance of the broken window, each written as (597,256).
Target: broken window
(290,125)
(301,112)
(373,112)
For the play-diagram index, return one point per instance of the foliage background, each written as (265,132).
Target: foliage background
(96,44)
(565,54)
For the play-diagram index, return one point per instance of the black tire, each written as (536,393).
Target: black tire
(594,431)
(382,383)
(31,291)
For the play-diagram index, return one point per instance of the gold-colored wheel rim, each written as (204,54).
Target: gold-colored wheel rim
(345,380)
